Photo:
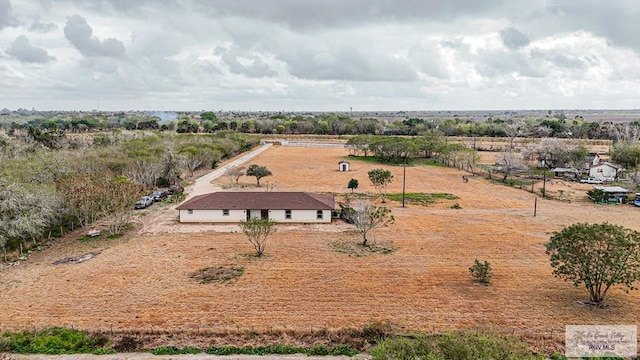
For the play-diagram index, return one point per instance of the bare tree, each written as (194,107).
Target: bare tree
(552,152)
(626,133)
(23,214)
(119,204)
(234,173)
(510,163)
(366,217)
(513,129)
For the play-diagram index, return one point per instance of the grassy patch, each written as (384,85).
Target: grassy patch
(54,341)
(427,162)
(372,159)
(353,248)
(280,349)
(172,350)
(457,345)
(218,274)
(421,198)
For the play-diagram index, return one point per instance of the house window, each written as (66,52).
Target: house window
(189,211)
(319,214)
(287,214)
(225,212)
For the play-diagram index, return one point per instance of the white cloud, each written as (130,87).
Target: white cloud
(303,54)
(80,35)
(22,50)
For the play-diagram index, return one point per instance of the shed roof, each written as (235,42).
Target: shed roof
(606,163)
(260,200)
(560,169)
(612,189)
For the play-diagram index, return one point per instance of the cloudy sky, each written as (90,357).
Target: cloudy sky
(329,55)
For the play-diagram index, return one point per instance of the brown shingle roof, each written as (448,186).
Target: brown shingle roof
(260,200)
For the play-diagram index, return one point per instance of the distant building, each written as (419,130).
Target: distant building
(615,194)
(593,159)
(605,171)
(343,166)
(566,173)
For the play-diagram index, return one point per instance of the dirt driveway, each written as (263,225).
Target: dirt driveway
(166,219)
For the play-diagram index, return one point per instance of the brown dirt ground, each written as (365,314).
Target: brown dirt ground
(142,281)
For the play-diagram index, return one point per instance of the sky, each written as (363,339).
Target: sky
(330,55)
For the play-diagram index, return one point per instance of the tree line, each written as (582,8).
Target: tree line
(549,126)
(46,190)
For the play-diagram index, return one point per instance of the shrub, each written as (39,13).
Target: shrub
(459,345)
(53,341)
(597,195)
(481,271)
(280,349)
(172,350)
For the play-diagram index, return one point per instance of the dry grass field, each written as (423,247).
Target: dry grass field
(143,281)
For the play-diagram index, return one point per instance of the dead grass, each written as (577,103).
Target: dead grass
(142,281)
(217,274)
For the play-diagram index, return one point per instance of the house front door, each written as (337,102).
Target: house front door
(264,214)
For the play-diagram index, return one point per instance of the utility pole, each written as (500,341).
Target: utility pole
(404,175)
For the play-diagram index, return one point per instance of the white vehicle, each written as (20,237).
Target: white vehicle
(144,202)
(592,181)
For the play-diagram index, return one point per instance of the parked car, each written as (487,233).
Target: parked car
(592,181)
(159,195)
(636,201)
(144,202)
(176,188)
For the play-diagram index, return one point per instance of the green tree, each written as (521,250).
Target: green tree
(353,184)
(258,171)
(209,115)
(257,231)
(366,217)
(380,178)
(596,255)
(597,195)
(481,271)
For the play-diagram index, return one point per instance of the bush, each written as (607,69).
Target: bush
(481,271)
(458,346)
(172,350)
(280,349)
(54,341)
(597,195)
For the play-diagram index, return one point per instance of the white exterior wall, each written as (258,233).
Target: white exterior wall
(235,216)
(300,216)
(602,172)
(199,216)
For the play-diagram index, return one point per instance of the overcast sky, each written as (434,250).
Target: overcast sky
(329,55)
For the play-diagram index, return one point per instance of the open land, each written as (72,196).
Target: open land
(142,281)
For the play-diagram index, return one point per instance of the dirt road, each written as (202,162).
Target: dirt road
(165,220)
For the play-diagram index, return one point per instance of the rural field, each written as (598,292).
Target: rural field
(142,281)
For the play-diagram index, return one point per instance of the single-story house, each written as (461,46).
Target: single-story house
(605,171)
(233,207)
(615,194)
